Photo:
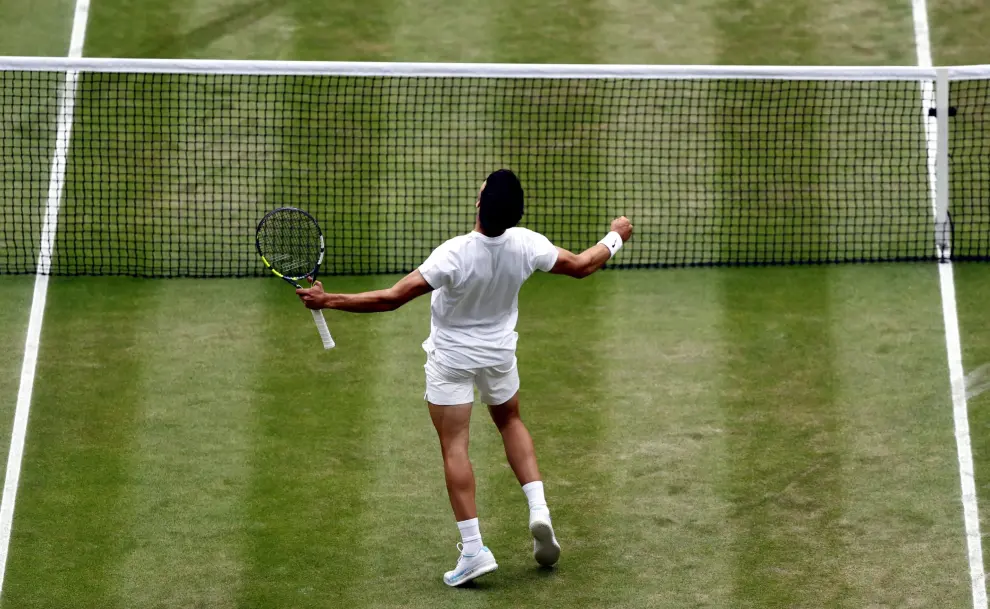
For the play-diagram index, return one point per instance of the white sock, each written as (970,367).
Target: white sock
(470,536)
(534,494)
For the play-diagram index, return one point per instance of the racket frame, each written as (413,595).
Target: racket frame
(318,319)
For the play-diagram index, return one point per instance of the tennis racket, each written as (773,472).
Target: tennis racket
(291,245)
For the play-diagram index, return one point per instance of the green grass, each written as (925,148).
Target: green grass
(709,438)
(972,293)
(957,32)
(39,28)
(846,409)
(15,303)
(87,367)
(717,438)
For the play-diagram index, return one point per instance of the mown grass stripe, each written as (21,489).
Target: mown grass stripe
(435,30)
(864,33)
(774,32)
(785,438)
(252,29)
(40,28)
(310,458)
(973,291)
(782,429)
(76,473)
(564,402)
(665,428)
(556,31)
(133,28)
(644,32)
(416,169)
(15,305)
(888,342)
(406,484)
(668,438)
(350,30)
(958,31)
(189,472)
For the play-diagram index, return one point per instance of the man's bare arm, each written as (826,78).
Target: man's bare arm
(593,258)
(583,264)
(409,287)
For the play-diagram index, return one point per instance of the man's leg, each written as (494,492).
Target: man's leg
(522,459)
(518,443)
(452,425)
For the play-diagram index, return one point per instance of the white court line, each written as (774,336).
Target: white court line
(964,450)
(950,316)
(56,183)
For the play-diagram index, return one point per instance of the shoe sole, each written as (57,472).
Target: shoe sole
(473,574)
(549,551)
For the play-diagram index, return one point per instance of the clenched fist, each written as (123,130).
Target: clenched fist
(623,226)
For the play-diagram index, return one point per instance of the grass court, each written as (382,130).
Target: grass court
(723,437)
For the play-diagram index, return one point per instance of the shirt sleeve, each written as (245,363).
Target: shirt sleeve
(438,270)
(544,253)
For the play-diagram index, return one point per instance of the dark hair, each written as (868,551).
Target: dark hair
(501,202)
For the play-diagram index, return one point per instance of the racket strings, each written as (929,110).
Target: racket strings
(290,242)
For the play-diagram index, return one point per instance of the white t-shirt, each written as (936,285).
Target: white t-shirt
(474,306)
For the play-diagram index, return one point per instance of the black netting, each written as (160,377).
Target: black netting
(169,174)
(969,169)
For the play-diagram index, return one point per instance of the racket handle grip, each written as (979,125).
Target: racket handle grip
(321,325)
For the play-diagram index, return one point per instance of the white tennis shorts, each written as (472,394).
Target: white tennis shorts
(451,386)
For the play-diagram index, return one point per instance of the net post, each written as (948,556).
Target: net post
(943,227)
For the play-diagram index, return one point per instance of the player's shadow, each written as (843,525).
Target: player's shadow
(234,19)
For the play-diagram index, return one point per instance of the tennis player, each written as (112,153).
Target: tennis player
(475,280)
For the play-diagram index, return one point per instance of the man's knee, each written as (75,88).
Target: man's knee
(454,450)
(505,417)
(457,468)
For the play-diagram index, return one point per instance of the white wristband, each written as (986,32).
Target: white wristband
(613,242)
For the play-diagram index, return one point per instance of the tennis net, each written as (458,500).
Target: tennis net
(158,168)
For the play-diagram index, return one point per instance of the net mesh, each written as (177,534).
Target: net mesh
(168,174)
(969,169)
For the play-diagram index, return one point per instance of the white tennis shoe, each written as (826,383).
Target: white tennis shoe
(546,550)
(470,567)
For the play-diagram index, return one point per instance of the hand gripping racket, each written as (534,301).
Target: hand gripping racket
(291,245)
